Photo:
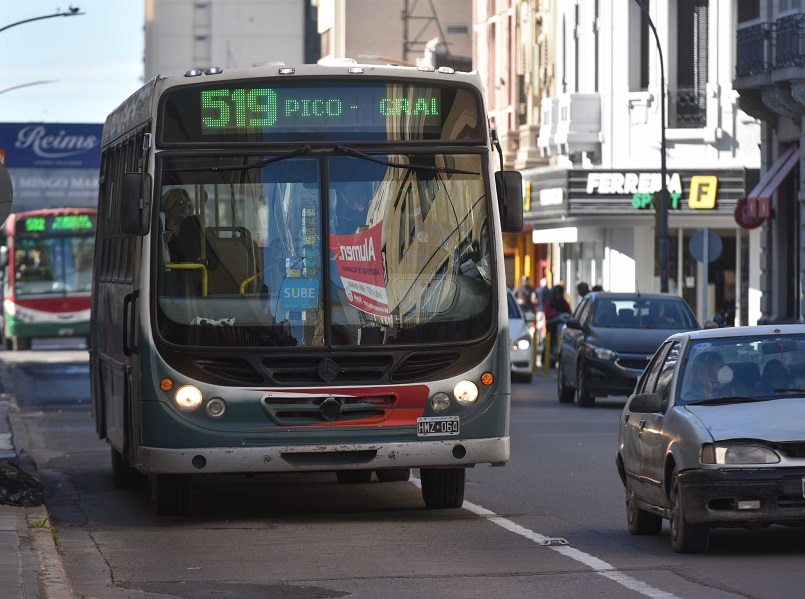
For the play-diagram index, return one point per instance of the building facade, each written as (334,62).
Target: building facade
(596,208)
(185,34)
(770,77)
(395,31)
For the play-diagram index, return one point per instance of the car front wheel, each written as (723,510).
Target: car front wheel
(586,400)
(685,536)
(566,393)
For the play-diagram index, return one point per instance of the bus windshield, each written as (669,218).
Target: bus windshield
(53,265)
(302,249)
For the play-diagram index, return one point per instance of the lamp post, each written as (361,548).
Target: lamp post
(29,84)
(663,208)
(72,12)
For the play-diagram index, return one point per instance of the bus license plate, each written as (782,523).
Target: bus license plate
(436,425)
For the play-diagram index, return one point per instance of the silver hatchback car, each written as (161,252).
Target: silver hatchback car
(713,434)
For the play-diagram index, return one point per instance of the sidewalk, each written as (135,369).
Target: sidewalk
(30,565)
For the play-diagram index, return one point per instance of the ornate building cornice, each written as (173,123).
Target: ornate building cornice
(780,100)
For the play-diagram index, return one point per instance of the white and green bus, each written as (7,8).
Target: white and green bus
(300,269)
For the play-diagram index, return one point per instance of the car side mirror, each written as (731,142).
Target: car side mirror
(573,323)
(646,403)
(530,316)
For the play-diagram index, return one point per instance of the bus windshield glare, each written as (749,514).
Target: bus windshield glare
(310,250)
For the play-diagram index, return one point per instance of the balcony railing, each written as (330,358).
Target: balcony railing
(751,50)
(687,108)
(789,42)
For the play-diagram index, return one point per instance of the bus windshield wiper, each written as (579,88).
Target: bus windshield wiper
(244,167)
(424,167)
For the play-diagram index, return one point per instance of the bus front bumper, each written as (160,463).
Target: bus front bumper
(443,453)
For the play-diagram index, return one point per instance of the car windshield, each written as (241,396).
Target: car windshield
(643,313)
(305,250)
(743,369)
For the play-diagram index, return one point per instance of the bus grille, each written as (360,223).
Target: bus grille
(422,365)
(344,369)
(232,370)
(336,369)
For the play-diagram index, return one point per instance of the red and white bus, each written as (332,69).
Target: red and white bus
(47,259)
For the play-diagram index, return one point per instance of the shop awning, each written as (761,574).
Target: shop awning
(758,202)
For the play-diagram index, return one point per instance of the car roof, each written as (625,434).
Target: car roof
(631,295)
(726,332)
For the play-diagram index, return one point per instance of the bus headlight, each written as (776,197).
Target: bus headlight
(465,392)
(187,398)
(440,402)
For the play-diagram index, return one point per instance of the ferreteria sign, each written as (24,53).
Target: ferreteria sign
(626,191)
(641,186)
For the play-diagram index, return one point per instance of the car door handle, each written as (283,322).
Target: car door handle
(641,427)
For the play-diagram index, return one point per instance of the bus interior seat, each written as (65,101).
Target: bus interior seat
(238,259)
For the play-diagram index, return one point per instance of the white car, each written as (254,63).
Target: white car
(520,342)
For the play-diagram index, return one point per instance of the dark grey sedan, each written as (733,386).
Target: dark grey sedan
(713,434)
(610,339)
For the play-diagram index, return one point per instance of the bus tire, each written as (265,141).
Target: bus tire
(443,488)
(20,343)
(353,477)
(123,475)
(393,475)
(171,494)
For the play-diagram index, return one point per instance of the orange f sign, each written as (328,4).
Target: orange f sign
(703,192)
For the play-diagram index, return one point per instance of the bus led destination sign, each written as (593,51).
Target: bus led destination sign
(59,223)
(363,108)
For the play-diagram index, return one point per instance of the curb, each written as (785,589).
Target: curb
(49,571)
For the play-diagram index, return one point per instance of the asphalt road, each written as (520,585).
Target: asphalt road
(306,536)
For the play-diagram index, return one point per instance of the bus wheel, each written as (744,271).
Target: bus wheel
(393,475)
(171,494)
(20,343)
(123,475)
(353,477)
(443,488)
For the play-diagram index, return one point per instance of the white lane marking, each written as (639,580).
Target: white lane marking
(597,565)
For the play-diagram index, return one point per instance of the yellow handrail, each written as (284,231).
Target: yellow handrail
(249,280)
(191,266)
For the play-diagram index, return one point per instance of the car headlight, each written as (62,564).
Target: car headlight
(522,343)
(602,353)
(738,453)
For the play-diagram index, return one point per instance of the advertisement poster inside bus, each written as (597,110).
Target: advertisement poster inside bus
(360,266)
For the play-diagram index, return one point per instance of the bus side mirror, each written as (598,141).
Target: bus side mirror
(509,186)
(135,204)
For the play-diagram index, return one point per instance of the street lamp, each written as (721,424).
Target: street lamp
(663,208)
(71,12)
(30,83)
